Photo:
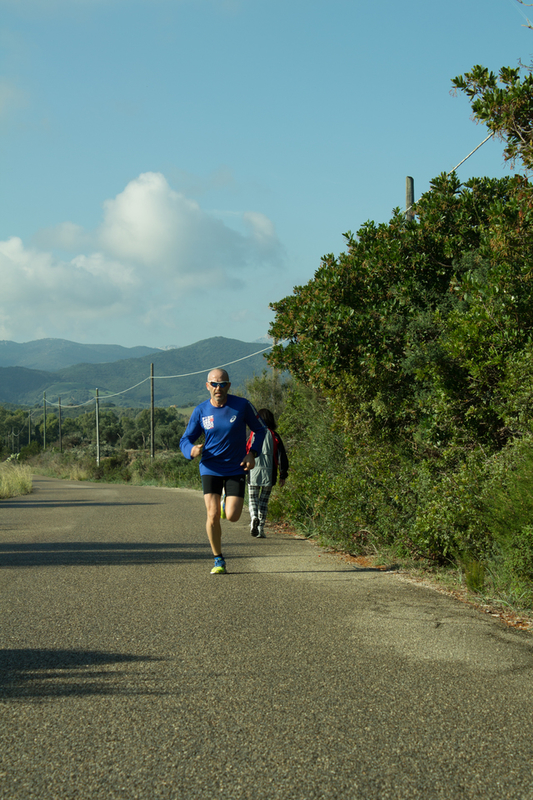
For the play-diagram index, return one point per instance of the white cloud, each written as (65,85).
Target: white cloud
(156,251)
(37,280)
(65,236)
(151,225)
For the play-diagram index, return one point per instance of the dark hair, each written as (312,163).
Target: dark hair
(268,418)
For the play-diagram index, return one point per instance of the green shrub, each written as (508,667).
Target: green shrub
(474,572)
(519,556)
(29,450)
(449,524)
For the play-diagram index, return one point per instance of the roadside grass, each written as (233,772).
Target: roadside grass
(167,468)
(15,479)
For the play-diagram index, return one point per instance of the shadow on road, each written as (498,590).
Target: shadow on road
(73,554)
(29,502)
(59,673)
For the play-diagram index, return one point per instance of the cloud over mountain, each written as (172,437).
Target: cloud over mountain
(153,252)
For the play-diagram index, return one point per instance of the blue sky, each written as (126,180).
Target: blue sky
(170,167)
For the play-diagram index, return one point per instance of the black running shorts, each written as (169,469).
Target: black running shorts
(235,485)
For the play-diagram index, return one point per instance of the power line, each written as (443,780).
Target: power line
(200,371)
(161,377)
(472,153)
(80,405)
(486,139)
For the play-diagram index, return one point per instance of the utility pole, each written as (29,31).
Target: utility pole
(60,436)
(44,420)
(97,429)
(152,422)
(409,198)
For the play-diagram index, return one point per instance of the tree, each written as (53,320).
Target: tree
(268,390)
(412,325)
(505,104)
(418,342)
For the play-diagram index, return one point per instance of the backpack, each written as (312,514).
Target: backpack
(276,444)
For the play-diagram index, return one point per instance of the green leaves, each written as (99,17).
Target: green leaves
(505,104)
(420,339)
(420,314)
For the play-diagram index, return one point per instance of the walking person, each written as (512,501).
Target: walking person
(224,459)
(263,477)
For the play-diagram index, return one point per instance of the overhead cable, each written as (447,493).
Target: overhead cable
(161,377)
(486,139)
(472,153)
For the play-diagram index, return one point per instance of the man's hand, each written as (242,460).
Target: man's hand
(196,450)
(248,462)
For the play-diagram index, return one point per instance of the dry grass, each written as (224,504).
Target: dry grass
(15,479)
(75,472)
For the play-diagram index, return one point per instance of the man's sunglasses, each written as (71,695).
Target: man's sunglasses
(219,384)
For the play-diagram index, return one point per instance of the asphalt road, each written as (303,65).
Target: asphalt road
(128,671)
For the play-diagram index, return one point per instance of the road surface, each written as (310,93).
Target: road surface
(128,671)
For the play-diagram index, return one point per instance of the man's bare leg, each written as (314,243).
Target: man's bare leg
(234,506)
(212,525)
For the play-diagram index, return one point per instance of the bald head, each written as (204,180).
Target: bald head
(218,375)
(218,391)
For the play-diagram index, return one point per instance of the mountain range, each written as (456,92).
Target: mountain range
(54,354)
(122,375)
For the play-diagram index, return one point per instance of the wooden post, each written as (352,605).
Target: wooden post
(409,198)
(44,420)
(97,429)
(152,421)
(60,435)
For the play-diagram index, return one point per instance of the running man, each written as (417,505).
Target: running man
(224,460)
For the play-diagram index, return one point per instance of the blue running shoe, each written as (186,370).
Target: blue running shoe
(220,566)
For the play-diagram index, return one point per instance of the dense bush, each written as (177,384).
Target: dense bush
(368,497)
(411,427)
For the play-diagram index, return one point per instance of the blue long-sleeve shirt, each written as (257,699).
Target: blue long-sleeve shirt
(225,435)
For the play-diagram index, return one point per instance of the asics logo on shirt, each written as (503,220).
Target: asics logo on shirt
(233,419)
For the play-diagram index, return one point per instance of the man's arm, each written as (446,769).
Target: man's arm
(256,424)
(192,432)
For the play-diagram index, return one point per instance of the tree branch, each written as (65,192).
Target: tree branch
(529,24)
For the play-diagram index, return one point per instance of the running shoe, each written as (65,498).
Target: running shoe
(254,528)
(223,506)
(220,566)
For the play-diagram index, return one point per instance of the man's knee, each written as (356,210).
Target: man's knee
(234,507)
(212,506)
(212,517)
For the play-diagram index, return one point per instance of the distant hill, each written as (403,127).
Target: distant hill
(77,384)
(19,382)
(53,354)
